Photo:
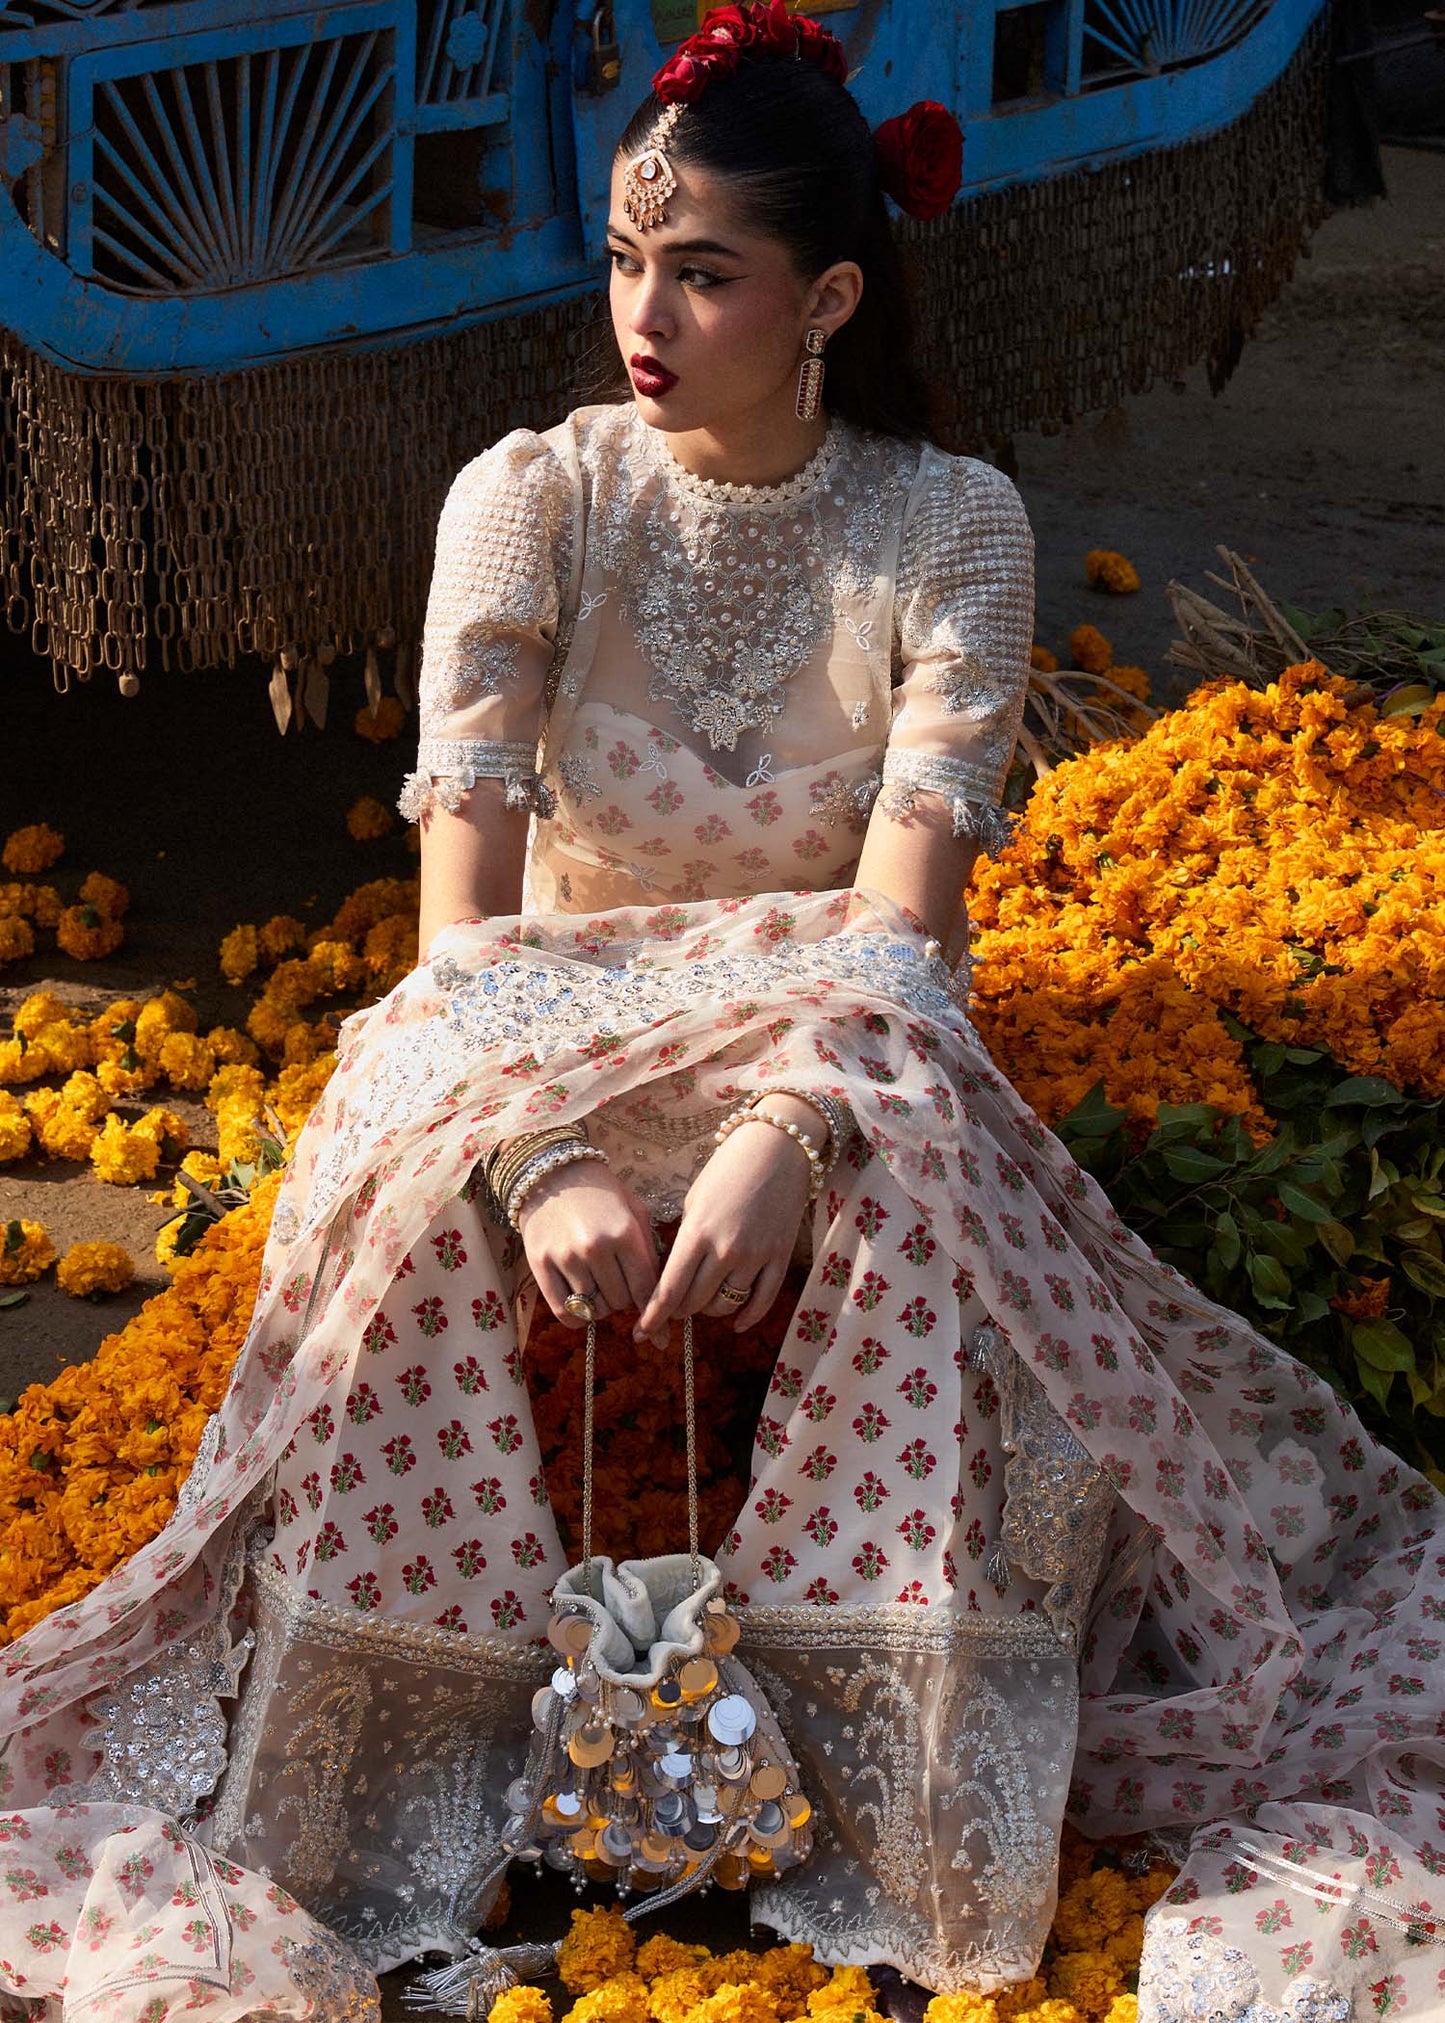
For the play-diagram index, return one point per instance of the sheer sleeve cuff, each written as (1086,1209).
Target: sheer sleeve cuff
(448,769)
(906,774)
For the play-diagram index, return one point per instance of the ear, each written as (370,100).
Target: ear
(834,296)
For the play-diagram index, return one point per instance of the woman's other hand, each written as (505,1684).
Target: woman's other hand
(584,1232)
(739,1224)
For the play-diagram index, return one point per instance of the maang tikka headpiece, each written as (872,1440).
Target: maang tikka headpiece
(728,36)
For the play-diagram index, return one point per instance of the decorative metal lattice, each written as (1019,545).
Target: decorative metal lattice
(456,50)
(1140,38)
(265,163)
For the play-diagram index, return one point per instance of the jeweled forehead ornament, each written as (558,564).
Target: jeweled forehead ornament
(648,183)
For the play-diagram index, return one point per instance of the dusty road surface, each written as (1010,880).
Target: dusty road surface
(1323,461)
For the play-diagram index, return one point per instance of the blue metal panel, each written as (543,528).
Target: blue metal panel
(200,186)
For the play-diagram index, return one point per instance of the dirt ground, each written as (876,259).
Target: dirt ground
(1323,461)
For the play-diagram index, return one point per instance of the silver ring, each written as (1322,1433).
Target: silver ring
(736,1296)
(580,1306)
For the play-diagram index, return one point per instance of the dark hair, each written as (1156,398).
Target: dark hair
(795,148)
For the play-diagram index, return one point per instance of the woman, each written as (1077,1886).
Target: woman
(746,667)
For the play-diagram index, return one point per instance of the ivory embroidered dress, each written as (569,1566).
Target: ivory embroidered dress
(1026,1507)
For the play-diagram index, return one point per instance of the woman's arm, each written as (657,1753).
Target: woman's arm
(471,861)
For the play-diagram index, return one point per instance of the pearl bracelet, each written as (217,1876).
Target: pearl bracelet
(547,1162)
(835,1115)
(750,1113)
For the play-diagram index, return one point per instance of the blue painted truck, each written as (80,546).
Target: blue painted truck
(198,197)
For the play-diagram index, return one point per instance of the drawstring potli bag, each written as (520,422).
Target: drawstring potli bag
(657,1764)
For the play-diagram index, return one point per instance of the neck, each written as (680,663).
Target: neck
(763,450)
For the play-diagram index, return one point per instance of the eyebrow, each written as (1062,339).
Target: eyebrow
(681,245)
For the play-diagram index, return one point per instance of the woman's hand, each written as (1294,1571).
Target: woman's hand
(739,1224)
(584,1232)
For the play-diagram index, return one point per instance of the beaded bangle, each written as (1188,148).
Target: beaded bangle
(750,1113)
(542,1167)
(834,1114)
(507,1161)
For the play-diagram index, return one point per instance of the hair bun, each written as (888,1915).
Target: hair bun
(920,158)
(730,36)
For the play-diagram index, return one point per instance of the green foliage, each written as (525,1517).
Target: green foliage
(1402,658)
(1350,1192)
(232,1190)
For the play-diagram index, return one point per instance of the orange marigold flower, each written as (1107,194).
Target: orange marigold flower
(26,1250)
(1107,569)
(240,953)
(87,934)
(32,849)
(232,1048)
(622,1999)
(106,894)
(1089,649)
(387,722)
(62,1133)
(368,819)
(186,1061)
(121,1157)
(1043,660)
(599,1944)
(1087,1978)
(15,1132)
(16,938)
(1367,1303)
(521,2005)
(64,1047)
(91,1270)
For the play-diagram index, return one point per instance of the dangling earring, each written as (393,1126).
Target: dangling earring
(810,375)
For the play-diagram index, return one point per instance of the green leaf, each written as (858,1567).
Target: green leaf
(1382,1345)
(1190,1163)
(1337,1240)
(1376,1382)
(13,1299)
(1268,1277)
(1303,1057)
(1311,1306)
(1425,1270)
(1428,1204)
(1285,1240)
(1368,1091)
(1270,1057)
(1227,1245)
(1302,1205)
(1093,1116)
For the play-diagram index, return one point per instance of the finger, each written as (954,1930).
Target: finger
(554,1289)
(611,1281)
(738,1280)
(677,1275)
(765,1290)
(639,1267)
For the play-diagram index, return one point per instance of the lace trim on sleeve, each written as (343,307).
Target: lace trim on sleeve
(448,769)
(964,786)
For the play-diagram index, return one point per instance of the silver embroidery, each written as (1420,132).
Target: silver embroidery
(1185,1975)
(835,800)
(730,588)
(959,782)
(996,1794)
(341,1989)
(448,769)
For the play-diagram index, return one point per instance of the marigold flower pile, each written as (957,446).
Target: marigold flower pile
(1091,1960)
(1278,854)
(86,930)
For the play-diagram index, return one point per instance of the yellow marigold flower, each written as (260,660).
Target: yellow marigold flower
(599,1944)
(390,949)
(1146,1890)
(64,1047)
(117,1080)
(1011,2002)
(387,723)
(112,1031)
(336,965)
(88,1270)
(791,1974)
(1106,569)
(238,1080)
(167,1237)
(964,2008)
(87,934)
(1123,2009)
(232,1048)
(186,1061)
(41,1008)
(846,1988)
(25,1250)
(1043,660)
(281,935)
(15,1131)
(107,894)
(1091,1908)
(361,909)
(662,1954)
(238,1119)
(33,849)
(61,1131)
(268,1026)
(83,1093)
(737,2002)
(297,1089)
(240,953)
(16,939)
(368,819)
(674,1995)
(1052,2011)
(19,1063)
(202,1166)
(170,1132)
(121,1157)
(303,1043)
(1087,1978)
(521,2005)
(1089,649)
(1126,1946)
(1135,679)
(157,1019)
(412,839)
(622,1999)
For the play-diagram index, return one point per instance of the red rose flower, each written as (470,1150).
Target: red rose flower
(728,35)
(920,158)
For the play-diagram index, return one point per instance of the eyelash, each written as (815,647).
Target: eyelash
(701,279)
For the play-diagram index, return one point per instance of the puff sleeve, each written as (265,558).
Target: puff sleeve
(963,624)
(503,563)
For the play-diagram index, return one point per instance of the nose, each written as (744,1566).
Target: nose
(649,314)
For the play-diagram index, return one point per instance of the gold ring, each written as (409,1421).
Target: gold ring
(736,1296)
(580,1306)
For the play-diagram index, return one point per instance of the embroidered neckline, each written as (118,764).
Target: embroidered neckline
(722,492)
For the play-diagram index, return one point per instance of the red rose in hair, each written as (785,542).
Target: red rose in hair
(920,158)
(730,34)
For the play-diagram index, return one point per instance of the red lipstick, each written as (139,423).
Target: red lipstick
(650,376)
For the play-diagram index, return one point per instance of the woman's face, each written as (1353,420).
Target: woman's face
(710,314)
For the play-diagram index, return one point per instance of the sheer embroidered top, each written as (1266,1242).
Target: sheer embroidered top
(701,690)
